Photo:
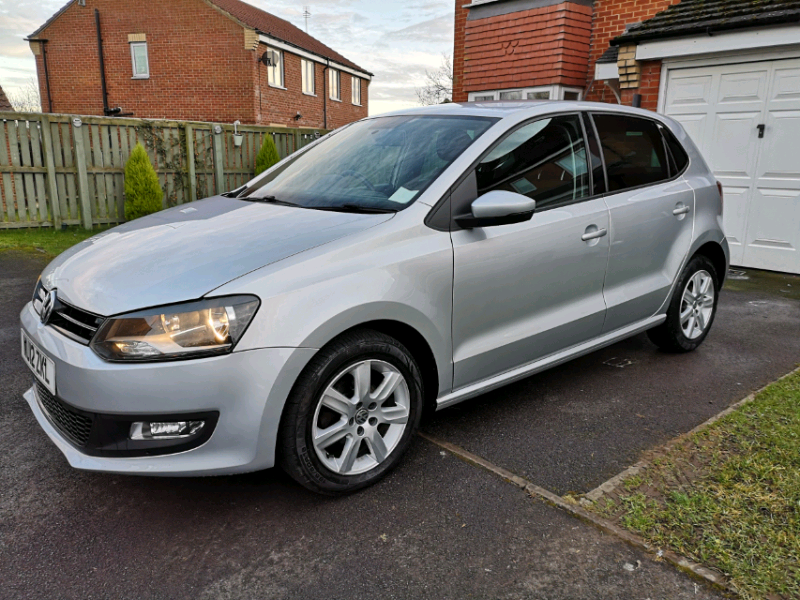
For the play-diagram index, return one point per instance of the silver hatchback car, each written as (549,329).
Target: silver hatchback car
(398,265)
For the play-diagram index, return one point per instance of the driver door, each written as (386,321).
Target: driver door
(527,290)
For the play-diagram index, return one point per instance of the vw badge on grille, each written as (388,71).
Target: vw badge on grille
(47,306)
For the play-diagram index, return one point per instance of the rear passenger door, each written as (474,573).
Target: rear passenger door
(651,211)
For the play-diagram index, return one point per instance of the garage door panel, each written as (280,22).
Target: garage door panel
(690,92)
(731,152)
(695,126)
(780,154)
(786,87)
(774,221)
(735,218)
(738,88)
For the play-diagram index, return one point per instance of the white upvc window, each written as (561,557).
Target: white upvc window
(141,64)
(275,67)
(546,92)
(334,88)
(307,67)
(355,83)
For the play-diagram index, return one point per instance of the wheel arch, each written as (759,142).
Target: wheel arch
(714,252)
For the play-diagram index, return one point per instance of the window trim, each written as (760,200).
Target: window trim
(303,74)
(658,123)
(338,97)
(353,88)
(282,84)
(133,60)
(555,90)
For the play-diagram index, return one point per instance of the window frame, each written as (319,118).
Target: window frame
(355,84)
(555,91)
(304,76)
(470,171)
(270,68)
(338,73)
(134,45)
(659,125)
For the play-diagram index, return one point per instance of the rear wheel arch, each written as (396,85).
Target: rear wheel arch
(714,252)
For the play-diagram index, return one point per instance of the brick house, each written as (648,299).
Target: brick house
(728,70)
(5,105)
(203,60)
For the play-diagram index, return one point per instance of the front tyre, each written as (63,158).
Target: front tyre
(692,309)
(351,414)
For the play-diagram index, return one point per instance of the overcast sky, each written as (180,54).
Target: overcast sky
(395,40)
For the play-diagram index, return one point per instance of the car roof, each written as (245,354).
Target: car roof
(501,109)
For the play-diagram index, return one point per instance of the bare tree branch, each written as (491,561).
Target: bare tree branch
(26,98)
(438,87)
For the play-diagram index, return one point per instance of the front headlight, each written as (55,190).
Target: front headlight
(190,330)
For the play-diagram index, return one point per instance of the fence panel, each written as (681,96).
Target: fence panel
(81,163)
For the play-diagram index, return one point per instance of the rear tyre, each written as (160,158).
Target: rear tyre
(352,413)
(692,309)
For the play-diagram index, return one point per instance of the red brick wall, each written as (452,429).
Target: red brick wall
(199,68)
(279,106)
(459,95)
(543,46)
(609,21)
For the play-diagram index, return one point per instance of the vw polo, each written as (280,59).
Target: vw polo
(398,265)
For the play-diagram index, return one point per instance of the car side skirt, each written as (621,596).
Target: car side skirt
(496,381)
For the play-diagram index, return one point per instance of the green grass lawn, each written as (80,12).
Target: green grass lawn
(45,240)
(729,496)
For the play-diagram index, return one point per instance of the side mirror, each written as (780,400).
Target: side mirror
(498,208)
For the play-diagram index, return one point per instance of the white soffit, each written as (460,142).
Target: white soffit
(603,71)
(275,43)
(767,37)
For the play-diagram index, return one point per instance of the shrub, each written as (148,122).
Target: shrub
(143,193)
(267,156)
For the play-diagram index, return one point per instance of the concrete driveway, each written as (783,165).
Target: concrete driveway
(436,528)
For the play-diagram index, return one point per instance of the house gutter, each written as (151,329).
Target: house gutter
(325,94)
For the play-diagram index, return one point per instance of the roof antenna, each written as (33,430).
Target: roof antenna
(306,16)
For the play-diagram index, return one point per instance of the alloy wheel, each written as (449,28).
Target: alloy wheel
(360,417)
(697,304)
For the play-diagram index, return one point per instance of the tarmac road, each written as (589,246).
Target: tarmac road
(435,528)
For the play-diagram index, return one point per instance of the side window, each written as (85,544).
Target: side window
(679,157)
(544,160)
(633,151)
(595,160)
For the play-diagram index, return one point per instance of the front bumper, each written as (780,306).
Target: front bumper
(248,389)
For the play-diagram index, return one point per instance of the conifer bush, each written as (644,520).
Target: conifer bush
(143,193)
(267,156)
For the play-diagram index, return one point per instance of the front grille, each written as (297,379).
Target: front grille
(75,323)
(75,426)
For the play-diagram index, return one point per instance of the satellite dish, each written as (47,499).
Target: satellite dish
(266,58)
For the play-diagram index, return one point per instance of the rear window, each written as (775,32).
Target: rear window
(633,150)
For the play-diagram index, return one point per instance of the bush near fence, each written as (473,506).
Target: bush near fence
(67,169)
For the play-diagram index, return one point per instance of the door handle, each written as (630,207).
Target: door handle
(593,235)
(760,128)
(681,210)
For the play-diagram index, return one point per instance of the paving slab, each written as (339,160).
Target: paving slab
(571,428)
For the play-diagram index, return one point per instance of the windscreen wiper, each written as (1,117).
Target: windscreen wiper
(272,200)
(355,208)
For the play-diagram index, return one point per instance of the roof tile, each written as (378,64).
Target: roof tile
(691,17)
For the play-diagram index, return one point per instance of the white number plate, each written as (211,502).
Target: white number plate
(43,367)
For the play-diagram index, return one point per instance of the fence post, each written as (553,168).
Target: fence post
(83,177)
(190,163)
(49,163)
(219,166)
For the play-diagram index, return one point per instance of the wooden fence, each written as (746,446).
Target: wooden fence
(64,169)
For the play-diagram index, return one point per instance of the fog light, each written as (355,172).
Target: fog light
(165,431)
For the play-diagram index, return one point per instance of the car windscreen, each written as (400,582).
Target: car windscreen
(380,164)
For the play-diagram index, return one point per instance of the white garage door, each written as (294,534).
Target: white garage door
(724,108)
